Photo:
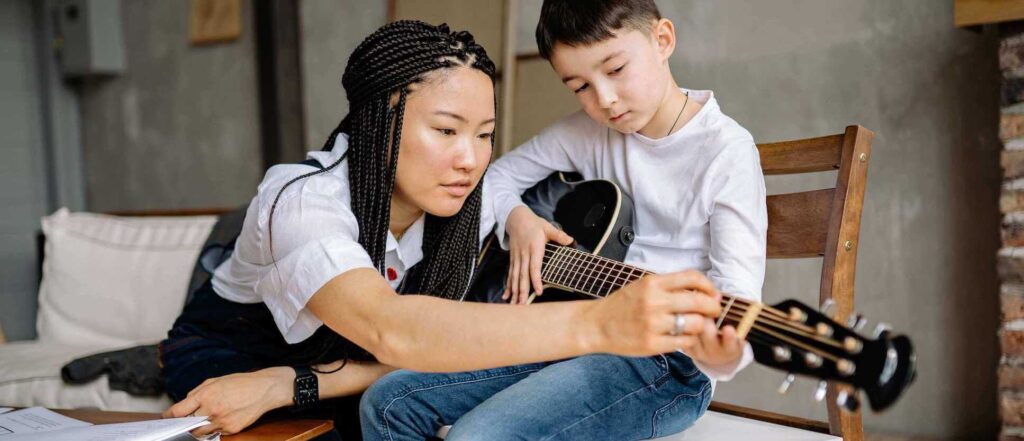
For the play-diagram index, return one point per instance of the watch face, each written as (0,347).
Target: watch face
(306,391)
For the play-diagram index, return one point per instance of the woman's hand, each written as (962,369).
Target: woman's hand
(639,319)
(527,234)
(719,350)
(233,402)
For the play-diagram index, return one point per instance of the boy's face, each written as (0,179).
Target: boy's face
(621,81)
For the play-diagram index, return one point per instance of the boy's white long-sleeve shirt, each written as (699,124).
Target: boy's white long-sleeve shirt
(698,194)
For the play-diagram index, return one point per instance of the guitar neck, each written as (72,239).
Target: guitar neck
(596,276)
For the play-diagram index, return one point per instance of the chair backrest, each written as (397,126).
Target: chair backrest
(822,223)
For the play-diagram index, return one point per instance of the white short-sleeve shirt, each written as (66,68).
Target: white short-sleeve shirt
(315,238)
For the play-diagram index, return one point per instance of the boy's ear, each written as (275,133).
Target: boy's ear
(665,37)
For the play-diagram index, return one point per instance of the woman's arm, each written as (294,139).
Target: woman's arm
(233,402)
(430,334)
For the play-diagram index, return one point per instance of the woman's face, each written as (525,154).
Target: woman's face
(446,141)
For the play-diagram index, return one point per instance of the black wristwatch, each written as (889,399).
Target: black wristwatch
(307,390)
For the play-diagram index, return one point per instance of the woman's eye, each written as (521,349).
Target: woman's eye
(446,132)
(616,70)
(581,88)
(487,135)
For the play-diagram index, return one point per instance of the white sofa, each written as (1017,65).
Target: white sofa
(108,283)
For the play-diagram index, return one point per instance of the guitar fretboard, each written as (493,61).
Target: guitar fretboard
(597,276)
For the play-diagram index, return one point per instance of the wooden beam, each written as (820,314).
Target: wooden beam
(510,20)
(978,12)
(279,80)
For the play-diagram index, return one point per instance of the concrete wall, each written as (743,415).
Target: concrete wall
(790,69)
(180,128)
(22,177)
(330,31)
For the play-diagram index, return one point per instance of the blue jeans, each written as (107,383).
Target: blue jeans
(591,397)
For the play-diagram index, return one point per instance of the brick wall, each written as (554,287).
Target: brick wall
(1011,256)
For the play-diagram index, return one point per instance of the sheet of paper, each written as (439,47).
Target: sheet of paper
(188,437)
(6,409)
(34,420)
(151,430)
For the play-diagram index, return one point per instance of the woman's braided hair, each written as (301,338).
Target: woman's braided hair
(386,63)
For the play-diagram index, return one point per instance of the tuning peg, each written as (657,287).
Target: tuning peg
(856,322)
(797,315)
(813,360)
(852,345)
(846,367)
(823,329)
(881,328)
(827,306)
(819,393)
(781,353)
(784,387)
(847,402)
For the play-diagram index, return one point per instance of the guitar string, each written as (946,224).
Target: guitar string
(743,305)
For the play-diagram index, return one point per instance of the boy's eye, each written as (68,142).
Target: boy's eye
(446,132)
(616,70)
(581,88)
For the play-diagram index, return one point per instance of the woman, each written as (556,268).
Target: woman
(313,281)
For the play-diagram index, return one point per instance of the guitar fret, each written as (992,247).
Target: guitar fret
(600,275)
(546,270)
(610,277)
(572,272)
(581,275)
(563,268)
(592,263)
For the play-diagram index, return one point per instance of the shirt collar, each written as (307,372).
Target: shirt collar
(410,247)
(710,105)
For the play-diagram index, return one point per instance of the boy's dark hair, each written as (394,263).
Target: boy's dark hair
(583,22)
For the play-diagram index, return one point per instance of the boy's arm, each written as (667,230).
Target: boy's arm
(514,172)
(739,235)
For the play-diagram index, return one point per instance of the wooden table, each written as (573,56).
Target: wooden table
(272,430)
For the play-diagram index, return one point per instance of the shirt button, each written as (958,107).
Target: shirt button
(392,274)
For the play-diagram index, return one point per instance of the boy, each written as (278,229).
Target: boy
(695,178)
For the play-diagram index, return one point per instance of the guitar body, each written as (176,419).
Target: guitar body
(596,213)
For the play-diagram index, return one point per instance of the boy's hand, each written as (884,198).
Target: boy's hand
(527,233)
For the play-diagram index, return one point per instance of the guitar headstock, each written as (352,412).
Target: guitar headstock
(802,340)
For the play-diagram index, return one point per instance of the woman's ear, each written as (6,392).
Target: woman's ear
(665,37)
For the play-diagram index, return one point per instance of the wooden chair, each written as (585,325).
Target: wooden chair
(818,223)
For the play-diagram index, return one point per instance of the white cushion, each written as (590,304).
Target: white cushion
(30,376)
(723,427)
(115,281)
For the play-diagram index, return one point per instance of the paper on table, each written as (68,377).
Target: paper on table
(34,420)
(6,409)
(151,430)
